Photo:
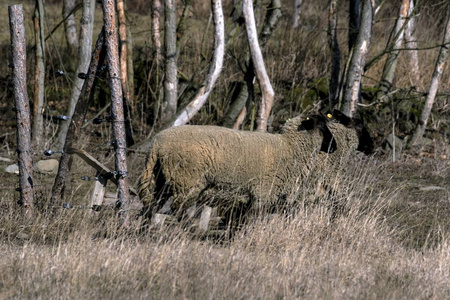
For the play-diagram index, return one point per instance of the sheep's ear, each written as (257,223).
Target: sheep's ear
(341,118)
(328,143)
(308,124)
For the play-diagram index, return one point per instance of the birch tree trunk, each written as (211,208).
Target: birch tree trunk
(156,39)
(77,120)
(70,27)
(390,66)
(435,80)
(260,70)
(22,107)
(358,58)
(84,57)
(296,15)
(117,115)
(335,52)
(186,114)
(169,105)
(411,43)
(39,90)
(238,109)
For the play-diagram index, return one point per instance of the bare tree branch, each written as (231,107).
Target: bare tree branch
(260,70)
(214,70)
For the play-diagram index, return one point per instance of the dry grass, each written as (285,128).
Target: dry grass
(300,253)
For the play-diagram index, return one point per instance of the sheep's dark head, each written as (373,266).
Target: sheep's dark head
(365,141)
(320,122)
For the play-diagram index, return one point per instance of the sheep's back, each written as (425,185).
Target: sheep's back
(192,155)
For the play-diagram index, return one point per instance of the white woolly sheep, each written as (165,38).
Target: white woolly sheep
(187,160)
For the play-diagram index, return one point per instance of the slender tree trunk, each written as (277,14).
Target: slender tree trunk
(358,58)
(70,27)
(390,66)
(38,101)
(156,39)
(215,68)
(335,52)
(76,122)
(169,106)
(181,27)
(117,114)
(22,107)
(296,14)
(84,57)
(123,51)
(411,43)
(435,80)
(123,58)
(353,22)
(130,68)
(260,70)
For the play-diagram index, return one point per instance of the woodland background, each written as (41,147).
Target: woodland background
(392,242)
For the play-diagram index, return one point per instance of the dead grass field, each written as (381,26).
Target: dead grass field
(391,239)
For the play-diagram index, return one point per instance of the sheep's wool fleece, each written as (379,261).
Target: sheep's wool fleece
(192,157)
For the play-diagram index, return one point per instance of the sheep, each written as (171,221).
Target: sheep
(185,161)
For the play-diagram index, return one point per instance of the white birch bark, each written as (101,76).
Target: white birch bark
(296,14)
(260,70)
(169,105)
(358,58)
(156,37)
(186,114)
(390,66)
(411,43)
